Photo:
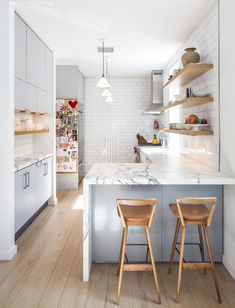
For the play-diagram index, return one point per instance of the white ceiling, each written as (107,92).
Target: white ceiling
(145,34)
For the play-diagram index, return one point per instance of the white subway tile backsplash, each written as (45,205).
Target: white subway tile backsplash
(205,39)
(123,119)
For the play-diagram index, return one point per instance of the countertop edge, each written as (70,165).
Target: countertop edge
(32,162)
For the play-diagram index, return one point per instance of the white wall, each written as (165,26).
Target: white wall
(7,242)
(119,121)
(205,39)
(227,133)
(70,83)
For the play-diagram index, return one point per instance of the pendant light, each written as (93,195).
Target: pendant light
(109,99)
(107,91)
(103,82)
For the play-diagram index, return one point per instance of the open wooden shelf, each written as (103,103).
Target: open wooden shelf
(189,132)
(26,111)
(190,102)
(190,72)
(34,131)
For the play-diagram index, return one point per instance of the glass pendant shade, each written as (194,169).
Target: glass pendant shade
(106,92)
(109,99)
(103,83)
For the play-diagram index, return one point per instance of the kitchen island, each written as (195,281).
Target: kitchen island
(164,177)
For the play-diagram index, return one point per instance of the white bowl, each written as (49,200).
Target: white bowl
(188,126)
(179,126)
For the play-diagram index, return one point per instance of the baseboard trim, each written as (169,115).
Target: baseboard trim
(52,201)
(229,266)
(6,255)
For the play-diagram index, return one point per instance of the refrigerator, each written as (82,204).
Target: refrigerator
(69,137)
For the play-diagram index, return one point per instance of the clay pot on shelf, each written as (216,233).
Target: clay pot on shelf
(190,56)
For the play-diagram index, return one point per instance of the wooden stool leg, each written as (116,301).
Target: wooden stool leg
(122,262)
(212,264)
(180,263)
(120,254)
(201,245)
(177,227)
(153,263)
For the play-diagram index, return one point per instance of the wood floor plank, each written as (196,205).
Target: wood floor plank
(151,289)
(56,231)
(33,289)
(126,299)
(97,290)
(55,286)
(170,284)
(75,291)
(25,240)
(199,290)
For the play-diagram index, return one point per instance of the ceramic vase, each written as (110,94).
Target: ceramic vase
(190,56)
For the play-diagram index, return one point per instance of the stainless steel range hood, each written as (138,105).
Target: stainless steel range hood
(157,93)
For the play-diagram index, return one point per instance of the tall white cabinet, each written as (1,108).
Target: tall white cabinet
(33,70)
(20,46)
(34,67)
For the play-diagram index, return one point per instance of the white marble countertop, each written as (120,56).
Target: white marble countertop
(163,167)
(27,160)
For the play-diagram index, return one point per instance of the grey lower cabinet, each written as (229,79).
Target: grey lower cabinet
(43,182)
(107,226)
(25,197)
(32,190)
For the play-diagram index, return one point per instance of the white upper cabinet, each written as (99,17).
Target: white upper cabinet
(25,95)
(48,71)
(20,48)
(44,101)
(33,70)
(36,60)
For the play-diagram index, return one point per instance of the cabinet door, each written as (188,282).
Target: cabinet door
(49,71)
(44,101)
(35,60)
(21,211)
(25,95)
(25,192)
(20,48)
(43,176)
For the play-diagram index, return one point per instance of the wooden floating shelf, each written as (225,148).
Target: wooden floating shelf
(34,131)
(189,132)
(190,72)
(25,111)
(190,102)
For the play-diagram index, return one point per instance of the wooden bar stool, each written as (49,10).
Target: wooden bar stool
(136,213)
(193,211)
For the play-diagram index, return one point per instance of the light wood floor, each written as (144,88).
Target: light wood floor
(47,271)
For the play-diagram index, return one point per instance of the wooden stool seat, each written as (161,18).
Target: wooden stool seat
(136,215)
(191,211)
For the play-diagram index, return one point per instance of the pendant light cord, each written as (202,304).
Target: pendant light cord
(103,58)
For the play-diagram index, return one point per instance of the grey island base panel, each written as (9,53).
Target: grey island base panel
(107,227)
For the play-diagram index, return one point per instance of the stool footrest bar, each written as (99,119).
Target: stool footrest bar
(138,267)
(190,265)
